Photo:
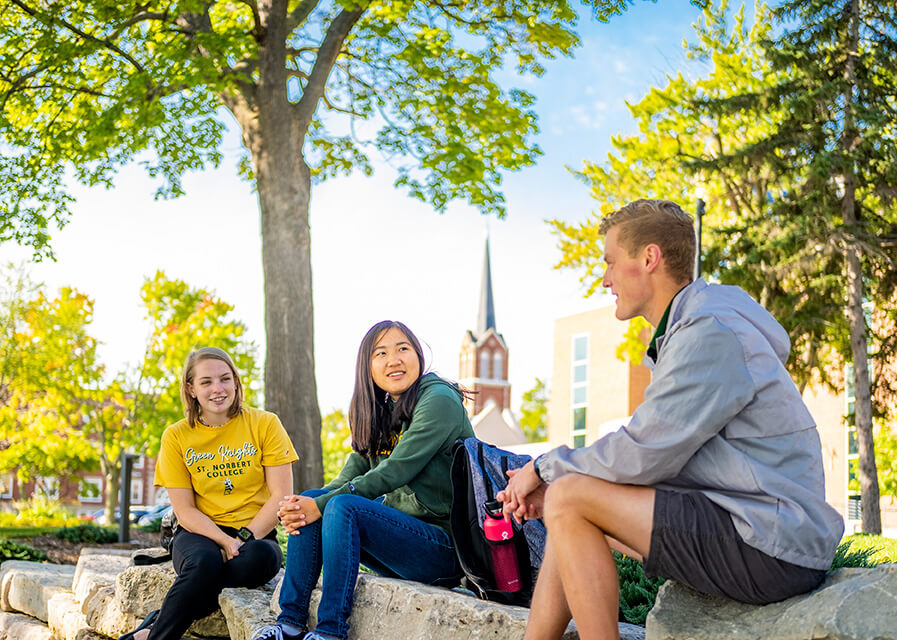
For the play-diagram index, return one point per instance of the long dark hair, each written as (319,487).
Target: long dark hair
(372,423)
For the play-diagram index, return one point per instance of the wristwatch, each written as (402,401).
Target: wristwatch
(245,535)
(536,469)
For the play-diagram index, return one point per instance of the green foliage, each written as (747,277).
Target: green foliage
(95,83)
(335,443)
(637,592)
(59,417)
(154,526)
(39,511)
(12,550)
(282,539)
(635,341)
(886,459)
(534,412)
(864,550)
(48,359)
(181,319)
(87,533)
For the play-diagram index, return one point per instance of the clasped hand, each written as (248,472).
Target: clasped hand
(297,511)
(524,497)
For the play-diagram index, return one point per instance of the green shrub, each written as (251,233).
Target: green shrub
(154,526)
(864,550)
(10,550)
(637,592)
(87,533)
(40,512)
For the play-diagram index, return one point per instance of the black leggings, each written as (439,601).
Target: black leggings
(202,574)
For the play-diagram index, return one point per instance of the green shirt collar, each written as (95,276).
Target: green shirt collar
(658,333)
(661,328)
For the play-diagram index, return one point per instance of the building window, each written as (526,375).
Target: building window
(484,364)
(7,481)
(47,486)
(137,488)
(498,366)
(579,389)
(853,450)
(91,490)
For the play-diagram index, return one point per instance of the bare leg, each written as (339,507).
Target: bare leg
(548,612)
(581,512)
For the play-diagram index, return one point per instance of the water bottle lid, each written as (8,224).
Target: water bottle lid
(493,509)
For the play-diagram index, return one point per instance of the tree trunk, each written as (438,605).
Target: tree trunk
(112,475)
(869,493)
(274,139)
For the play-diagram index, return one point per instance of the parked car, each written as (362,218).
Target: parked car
(155,513)
(99,517)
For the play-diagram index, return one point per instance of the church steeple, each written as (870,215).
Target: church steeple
(486,318)
(483,362)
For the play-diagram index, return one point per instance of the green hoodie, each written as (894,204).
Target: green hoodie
(416,477)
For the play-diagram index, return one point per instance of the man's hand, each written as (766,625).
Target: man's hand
(297,511)
(524,496)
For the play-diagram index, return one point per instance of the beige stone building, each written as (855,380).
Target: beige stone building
(593,393)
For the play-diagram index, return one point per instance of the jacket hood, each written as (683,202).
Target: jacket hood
(733,307)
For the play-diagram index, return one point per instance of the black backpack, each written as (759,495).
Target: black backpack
(478,473)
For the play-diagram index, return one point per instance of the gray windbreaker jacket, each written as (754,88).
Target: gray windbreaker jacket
(723,416)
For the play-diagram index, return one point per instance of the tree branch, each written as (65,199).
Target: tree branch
(327,55)
(300,14)
(137,18)
(257,30)
(82,34)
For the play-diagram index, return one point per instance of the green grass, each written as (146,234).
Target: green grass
(865,550)
(25,532)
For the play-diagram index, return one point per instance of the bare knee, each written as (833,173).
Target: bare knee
(565,496)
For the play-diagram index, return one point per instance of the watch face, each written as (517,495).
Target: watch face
(244,534)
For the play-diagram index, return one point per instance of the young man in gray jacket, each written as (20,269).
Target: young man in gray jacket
(716,482)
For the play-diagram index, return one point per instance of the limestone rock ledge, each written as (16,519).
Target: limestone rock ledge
(26,587)
(852,604)
(389,608)
(15,626)
(97,568)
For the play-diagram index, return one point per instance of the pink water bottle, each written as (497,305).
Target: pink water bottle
(500,535)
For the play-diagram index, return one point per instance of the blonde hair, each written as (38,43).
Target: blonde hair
(659,222)
(192,410)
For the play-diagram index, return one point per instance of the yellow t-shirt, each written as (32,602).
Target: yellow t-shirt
(224,465)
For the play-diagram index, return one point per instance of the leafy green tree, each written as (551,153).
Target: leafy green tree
(87,85)
(677,135)
(59,416)
(335,443)
(132,412)
(48,356)
(886,459)
(534,412)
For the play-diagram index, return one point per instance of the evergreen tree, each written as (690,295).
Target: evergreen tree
(836,93)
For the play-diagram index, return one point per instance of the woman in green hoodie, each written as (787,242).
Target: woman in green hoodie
(389,507)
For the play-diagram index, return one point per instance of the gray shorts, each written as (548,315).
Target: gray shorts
(694,542)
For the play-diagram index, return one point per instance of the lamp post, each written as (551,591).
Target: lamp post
(124,499)
(699,214)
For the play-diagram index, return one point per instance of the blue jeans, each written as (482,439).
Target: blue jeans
(357,530)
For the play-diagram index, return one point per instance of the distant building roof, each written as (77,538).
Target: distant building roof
(497,427)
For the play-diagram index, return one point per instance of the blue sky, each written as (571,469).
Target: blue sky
(376,253)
